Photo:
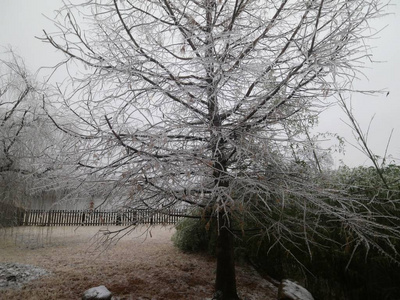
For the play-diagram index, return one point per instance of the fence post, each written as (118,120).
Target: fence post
(26,217)
(48,217)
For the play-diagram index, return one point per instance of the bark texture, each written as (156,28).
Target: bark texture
(225,283)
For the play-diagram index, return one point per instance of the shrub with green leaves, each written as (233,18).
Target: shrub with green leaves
(334,265)
(192,235)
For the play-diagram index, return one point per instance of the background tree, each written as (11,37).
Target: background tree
(19,128)
(205,103)
(33,152)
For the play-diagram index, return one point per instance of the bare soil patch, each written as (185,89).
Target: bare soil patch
(142,265)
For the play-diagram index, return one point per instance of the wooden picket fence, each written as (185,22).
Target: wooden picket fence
(100,217)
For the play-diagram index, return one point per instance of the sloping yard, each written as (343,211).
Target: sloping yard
(142,265)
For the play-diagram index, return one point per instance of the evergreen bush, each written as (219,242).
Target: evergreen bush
(192,235)
(336,268)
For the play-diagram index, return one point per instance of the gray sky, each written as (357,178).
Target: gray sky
(22,20)
(385,111)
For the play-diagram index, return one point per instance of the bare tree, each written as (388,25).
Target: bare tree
(32,155)
(15,109)
(204,104)
(20,119)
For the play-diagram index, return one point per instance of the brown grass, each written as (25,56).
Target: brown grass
(140,266)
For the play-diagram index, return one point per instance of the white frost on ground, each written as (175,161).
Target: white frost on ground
(13,275)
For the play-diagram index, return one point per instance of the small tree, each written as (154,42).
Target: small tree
(205,103)
(19,122)
(32,149)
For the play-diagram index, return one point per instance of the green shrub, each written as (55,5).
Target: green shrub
(327,273)
(192,236)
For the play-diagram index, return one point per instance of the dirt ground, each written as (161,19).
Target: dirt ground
(142,265)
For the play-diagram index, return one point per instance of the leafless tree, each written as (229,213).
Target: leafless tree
(31,153)
(18,112)
(207,103)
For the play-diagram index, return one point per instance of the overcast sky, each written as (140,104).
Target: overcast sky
(22,20)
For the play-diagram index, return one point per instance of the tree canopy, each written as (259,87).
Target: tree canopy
(208,104)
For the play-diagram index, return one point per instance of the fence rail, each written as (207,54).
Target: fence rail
(100,217)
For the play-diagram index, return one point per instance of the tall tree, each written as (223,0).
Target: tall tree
(32,152)
(204,103)
(16,93)
(22,128)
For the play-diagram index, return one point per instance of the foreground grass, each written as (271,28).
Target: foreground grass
(142,265)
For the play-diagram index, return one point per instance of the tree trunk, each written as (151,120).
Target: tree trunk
(225,283)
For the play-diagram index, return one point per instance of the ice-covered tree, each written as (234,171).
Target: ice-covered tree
(33,151)
(21,127)
(206,104)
